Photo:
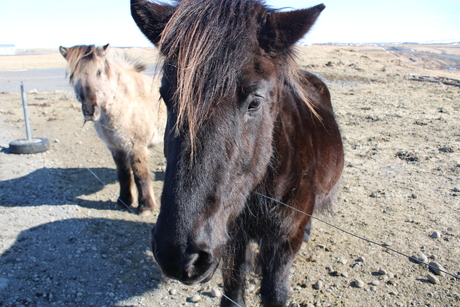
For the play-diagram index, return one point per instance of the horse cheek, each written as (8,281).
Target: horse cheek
(262,149)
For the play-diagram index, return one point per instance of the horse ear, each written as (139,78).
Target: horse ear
(101,51)
(284,29)
(63,51)
(151,18)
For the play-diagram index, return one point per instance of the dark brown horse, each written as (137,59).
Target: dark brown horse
(243,123)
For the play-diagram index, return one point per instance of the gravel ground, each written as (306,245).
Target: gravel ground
(65,242)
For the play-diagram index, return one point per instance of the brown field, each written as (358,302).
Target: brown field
(436,49)
(47,58)
(64,241)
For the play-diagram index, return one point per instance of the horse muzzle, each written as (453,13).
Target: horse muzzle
(190,264)
(91,112)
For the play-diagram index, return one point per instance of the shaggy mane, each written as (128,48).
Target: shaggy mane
(209,43)
(81,58)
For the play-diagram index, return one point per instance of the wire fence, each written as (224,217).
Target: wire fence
(385,246)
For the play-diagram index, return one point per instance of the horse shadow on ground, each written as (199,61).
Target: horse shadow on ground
(60,186)
(79,262)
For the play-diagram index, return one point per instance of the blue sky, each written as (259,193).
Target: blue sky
(51,23)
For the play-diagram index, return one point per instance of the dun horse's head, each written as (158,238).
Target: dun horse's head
(89,73)
(225,65)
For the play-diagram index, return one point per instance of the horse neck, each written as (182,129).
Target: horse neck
(112,93)
(127,86)
(302,143)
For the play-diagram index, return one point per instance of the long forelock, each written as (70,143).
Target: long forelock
(209,42)
(75,60)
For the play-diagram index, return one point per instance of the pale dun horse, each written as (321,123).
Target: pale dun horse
(117,98)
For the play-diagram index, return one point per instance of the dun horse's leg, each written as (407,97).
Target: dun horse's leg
(125,177)
(234,270)
(140,166)
(276,258)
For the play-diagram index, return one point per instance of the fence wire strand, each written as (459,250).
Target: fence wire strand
(359,237)
(99,179)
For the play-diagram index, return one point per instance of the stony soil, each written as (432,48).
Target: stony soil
(65,242)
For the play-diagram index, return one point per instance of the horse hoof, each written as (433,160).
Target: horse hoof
(145,212)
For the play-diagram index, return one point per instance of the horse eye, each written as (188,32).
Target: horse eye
(99,73)
(254,105)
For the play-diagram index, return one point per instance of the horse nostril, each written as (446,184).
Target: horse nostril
(204,258)
(199,262)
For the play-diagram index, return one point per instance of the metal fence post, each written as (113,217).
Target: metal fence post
(26,115)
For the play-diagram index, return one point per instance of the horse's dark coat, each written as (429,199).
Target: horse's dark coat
(243,122)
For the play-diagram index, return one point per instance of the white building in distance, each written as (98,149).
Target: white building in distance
(7,49)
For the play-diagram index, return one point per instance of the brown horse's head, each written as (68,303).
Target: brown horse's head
(225,63)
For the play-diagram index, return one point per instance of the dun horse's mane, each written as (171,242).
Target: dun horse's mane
(84,57)
(210,42)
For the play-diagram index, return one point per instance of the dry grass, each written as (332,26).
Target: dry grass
(436,48)
(369,61)
(311,57)
(44,59)
(33,61)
